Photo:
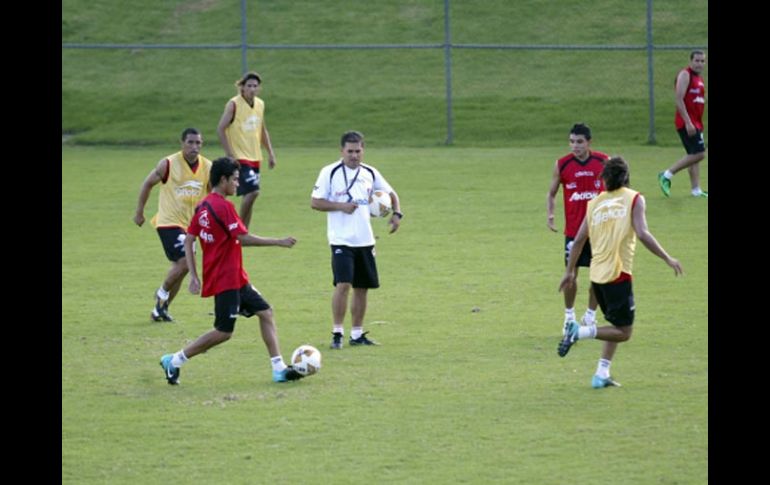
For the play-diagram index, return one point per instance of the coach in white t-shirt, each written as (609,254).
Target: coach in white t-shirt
(342,191)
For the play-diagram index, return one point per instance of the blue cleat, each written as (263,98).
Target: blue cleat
(569,339)
(288,374)
(362,340)
(171,372)
(665,184)
(600,382)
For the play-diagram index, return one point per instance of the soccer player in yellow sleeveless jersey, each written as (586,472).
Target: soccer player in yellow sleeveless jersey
(242,132)
(613,221)
(184,176)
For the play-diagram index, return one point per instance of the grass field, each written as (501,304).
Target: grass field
(452,396)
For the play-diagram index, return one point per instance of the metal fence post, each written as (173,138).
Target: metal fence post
(650,78)
(244,44)
(448,73)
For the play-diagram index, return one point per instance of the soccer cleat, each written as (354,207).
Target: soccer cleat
(288,374)
(160,312)
(665,184)
(336,340)
(569,339)
(171,372)
(701,194)
(362,340)
(600,382)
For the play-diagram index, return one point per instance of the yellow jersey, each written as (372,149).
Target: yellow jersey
(245,131)
(181,191)
(612,235)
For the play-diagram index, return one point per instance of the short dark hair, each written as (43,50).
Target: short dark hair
(581,129)
(249,75)
(695,53)
(190,131)
(352,137)
(222,167)
(615,173)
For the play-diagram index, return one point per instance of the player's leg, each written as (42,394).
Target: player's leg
(364,277)
(342,270)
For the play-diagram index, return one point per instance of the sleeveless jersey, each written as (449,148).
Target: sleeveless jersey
(612,235)
(694,102)
(582,182)
(245,131)
(181,191)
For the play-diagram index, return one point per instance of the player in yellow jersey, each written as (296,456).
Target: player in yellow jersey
(613,221)
(242,132)
(185,177)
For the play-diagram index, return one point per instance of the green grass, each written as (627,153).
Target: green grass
(397,97)
(451,396)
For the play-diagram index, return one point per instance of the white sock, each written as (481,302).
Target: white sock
(162,294)
(668,174)
(586,331)
(355,332)
(277,363)
(338,329)
(179,359)
(569,313)
(603,369)
(589,317)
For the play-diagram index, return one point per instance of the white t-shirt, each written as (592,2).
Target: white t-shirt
(338,183)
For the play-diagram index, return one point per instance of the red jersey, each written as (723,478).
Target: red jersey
(694,101)
(217,226)
(582,182)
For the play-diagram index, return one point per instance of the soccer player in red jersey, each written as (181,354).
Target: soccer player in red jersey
(580,174)
(690,103)
(222,233)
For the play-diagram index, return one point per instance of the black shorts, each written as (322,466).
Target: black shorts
(616,301)
(172,239)
(355,265)
(585,256)
(248,180)
(692,144)
(229,304)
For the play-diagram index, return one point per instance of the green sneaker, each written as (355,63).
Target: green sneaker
(702,193)
(665,184)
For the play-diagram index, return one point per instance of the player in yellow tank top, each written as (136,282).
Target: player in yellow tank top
(613,221)
(185,178)
(242,132)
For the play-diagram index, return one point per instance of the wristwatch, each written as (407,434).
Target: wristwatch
(399,214)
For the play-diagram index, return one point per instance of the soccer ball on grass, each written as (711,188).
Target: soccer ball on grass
(306,360)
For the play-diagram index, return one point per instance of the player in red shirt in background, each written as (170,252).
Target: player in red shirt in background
(222,233)
(690,103)
(580,173)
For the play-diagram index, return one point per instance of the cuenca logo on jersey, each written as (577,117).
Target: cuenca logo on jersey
(190,188)
(608,209)
(576,196)
(203,219)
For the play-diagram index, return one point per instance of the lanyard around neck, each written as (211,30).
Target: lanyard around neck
(349,186)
